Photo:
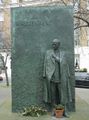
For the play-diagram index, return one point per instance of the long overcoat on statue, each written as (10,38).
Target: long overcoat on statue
(49,69)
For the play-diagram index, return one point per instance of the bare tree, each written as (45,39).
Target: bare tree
(5,68)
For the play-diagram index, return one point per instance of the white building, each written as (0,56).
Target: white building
(82,57)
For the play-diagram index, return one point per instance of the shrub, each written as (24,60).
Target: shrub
(83,70)
(59,107)
(34,111)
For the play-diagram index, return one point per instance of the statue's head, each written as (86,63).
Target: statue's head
(56,44)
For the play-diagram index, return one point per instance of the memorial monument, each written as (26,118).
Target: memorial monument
(34,32)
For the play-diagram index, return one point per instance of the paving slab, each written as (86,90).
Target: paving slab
(82,107)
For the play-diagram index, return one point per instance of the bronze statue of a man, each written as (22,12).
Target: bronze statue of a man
(56,73)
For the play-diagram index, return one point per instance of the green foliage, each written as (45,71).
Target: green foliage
(34,111)
(59,107)
(83,70)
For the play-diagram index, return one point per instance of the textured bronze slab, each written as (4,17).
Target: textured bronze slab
(33,29)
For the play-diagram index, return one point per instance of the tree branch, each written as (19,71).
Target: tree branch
(5,69)
(80,26)
(63,2)
(82,19)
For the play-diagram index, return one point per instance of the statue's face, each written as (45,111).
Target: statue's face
(55,45)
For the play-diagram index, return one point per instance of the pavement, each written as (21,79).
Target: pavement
(82,106)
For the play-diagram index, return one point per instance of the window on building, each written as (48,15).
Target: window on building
(1,1)
(76,37)
(1,16)
(87,42)
(1,26)
(27,0)
(76,5)
(1,40)
(87,36)
(13,1)
(87,4)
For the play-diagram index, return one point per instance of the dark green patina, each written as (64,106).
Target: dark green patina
(33,29)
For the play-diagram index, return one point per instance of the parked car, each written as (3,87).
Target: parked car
(82,79)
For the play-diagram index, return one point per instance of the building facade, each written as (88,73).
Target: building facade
(81,34)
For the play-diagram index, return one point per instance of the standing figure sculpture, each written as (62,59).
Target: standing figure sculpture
(56,73)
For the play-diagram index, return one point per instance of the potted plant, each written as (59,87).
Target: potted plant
(59,109)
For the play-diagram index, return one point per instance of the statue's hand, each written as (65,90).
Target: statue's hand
(56,58)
